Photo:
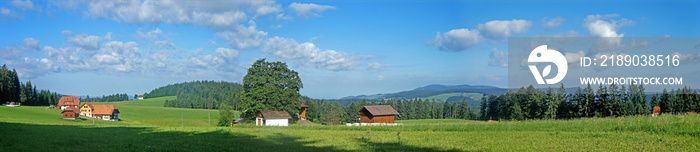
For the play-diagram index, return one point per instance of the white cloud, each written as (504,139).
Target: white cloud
(7,12)
(500,29)
(456,40)
(574,57)
(552,23)
(150,35)
(89,42)
(380,77)
(597,26)
(374,67)
(498,58)
(268,9)
(66,32)
(31,43)
(243,37)
(310,9)
(24,5)
(307,54)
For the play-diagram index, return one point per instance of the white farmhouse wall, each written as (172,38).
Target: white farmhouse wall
(276,122)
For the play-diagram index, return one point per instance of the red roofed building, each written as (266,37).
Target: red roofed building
(68,101)
(377,114)
(71,113)
(106,112)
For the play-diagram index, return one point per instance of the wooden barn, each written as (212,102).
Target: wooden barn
(302,112)
(68,101)
(106,112)
(377,114)
(71,113)
(272,118)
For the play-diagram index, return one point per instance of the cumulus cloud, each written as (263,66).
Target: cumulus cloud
(226,18)
(374,67)
(380,77)
(456,40)
(307,54)
(498,58)
(88,41)
(243,37)
(551,23)
(31,43)
(309,9)
(24,5)
(500,29)
(120,57)
(598,26)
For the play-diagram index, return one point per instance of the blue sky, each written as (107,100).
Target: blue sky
(340,48)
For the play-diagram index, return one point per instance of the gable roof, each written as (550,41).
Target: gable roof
(304,106)
(380,110)
(105,109)
(74,109)
(90,104)
(69,101)
(275,114)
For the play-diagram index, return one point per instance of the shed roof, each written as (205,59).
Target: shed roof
(105,109)
(380,110)
(275,114)
(74,109)
(69,101)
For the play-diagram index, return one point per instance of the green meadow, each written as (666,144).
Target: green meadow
(147,126)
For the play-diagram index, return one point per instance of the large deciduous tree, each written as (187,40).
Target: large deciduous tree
(271,86)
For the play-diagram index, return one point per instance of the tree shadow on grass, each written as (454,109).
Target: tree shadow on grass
(396,146)
(31,137)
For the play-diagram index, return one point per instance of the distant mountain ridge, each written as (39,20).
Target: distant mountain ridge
(439,87)
(432,90)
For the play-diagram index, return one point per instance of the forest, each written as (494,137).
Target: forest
(108,98)
(198,94)
(332,113)
(12,90)
(606,101)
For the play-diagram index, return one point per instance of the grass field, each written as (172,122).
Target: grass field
(155,128)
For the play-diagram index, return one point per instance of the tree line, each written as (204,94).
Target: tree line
(606,101)
(12,90)
(199,94)
(326,112)
(108,98)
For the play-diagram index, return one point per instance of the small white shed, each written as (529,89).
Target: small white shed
(272,118)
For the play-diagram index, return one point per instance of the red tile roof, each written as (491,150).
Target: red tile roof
(74,109)
(69,101)
(105,109)
(381,110)
(304,106)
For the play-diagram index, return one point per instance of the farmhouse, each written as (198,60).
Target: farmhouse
(302,112)
(377,114)
(71,113)
(87,109)
(68,101)
(140,97)
(272,118)
(106,112)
